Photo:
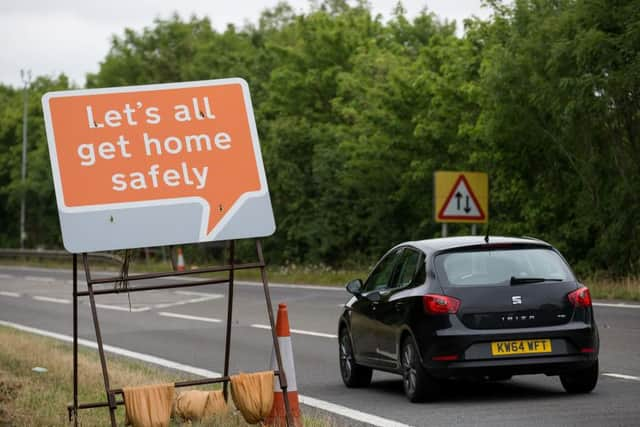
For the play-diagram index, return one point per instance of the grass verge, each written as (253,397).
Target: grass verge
(28,398)
(626,288)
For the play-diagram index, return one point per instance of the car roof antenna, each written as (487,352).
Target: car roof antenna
(486,236)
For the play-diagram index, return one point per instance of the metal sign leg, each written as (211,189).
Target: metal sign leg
(103,361)
(282,377)
(75,340)
(227,345)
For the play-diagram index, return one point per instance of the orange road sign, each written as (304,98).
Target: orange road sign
(461,197)
(126,161)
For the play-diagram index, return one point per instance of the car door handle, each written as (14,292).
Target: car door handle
(374,305)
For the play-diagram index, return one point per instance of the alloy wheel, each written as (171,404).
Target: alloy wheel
(409,370)
(346,356)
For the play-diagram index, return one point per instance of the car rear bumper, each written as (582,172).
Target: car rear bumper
(549,365)
(573,346)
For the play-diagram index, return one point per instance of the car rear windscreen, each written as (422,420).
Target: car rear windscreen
(500,266)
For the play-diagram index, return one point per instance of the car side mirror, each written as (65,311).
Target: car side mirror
(354,287)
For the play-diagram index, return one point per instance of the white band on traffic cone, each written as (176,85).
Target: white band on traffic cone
(286,354)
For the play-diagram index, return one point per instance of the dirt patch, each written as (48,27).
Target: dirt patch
(9,389)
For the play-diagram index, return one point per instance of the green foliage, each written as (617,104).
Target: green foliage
(41,222)
(560,109)
(355,115)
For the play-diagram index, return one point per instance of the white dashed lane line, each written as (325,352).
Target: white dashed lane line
(298,331)
(6,276)
(622,376)
(187,317)
(616,305)
(254,325)
(120,308)
(10,294)
(40,279)
(49,299)
(202,297)
(197,294)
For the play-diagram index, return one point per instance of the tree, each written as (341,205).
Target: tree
(41,225)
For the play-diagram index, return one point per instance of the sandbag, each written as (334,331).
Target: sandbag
(196,405)
(148,406)
(253,395)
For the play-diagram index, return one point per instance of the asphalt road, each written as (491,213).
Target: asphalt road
(188,327)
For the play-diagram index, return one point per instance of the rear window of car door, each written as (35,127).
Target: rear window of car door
(381,275)
(409,263)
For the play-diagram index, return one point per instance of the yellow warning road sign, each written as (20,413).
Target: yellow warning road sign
(461,197)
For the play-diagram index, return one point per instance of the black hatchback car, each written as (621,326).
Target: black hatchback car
(469,307)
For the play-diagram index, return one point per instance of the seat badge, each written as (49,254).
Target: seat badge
(516,299)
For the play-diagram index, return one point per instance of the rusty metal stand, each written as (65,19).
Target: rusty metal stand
(276,345)
(231,267)
(227,343)
(75,340)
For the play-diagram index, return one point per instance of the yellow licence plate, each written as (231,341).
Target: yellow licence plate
(507,348)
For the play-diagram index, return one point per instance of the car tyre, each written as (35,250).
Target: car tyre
(582,381)
(353,375)
(418,385)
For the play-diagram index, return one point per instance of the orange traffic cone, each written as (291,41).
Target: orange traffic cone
(278,416)
(180,265)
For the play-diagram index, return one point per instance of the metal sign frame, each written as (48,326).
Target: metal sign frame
(124,277)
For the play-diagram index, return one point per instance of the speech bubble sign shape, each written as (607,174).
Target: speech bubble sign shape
(157,164)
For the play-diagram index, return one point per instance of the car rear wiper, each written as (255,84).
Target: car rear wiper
(524,280)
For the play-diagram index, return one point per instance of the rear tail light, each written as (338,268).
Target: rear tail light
(445,358)
(580,297)
(587,350)
(440,304)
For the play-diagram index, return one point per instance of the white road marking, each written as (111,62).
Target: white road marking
(198,294)
(192,279)
(115,350)
(10,294)
(293,286)
(615,305)
(49,299)
(120,308)
(368,419)
(187,317)
(190,301)
(622,376)
(80,282)
(310,401)
(298,331)
(6,276)
(39,279)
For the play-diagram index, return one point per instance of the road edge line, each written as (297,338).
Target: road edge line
(309,401)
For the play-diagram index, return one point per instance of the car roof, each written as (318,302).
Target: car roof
(445,243)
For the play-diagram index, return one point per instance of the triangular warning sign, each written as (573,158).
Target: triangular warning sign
(461,203)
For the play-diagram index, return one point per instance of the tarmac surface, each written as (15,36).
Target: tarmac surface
(188,326)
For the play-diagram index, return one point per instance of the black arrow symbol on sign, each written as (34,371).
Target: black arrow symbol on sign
(458,197)
(467,208)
